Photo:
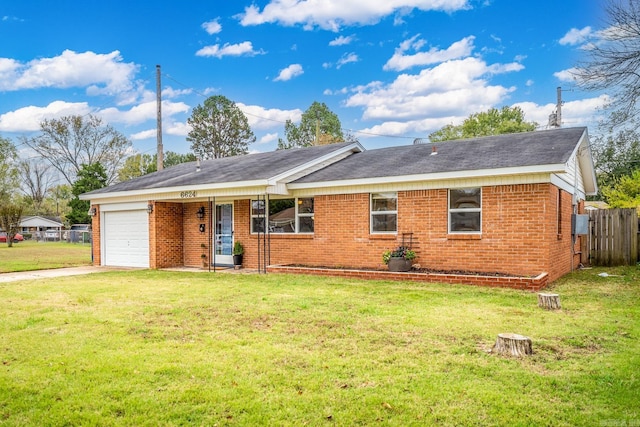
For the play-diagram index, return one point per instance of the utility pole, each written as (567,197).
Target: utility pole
(555,118)
(160,164)
(559,108)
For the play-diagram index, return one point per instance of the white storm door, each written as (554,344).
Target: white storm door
(223,237)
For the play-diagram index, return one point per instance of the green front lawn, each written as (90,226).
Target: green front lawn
(168,348)
(31,255)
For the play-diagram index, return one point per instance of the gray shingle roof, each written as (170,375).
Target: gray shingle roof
(228,169)
(546,147)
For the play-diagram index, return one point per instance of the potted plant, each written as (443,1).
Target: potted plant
(238,251)
(400,259)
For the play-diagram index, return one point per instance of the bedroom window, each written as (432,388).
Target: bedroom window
(384,212)
(465,210)
(283,216)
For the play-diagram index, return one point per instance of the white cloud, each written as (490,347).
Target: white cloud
(575,36)
(293,70)
(583,112)
(169,92)
(567,75)
(28,119)
(240,49)
(261,118)
(346,59)
(104,74)
(333,14)
(401,61)
(341,41)
(142,112)
(268,137)
(213,26)
(454,88)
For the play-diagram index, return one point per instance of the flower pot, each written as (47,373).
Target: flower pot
(237,260)
(399,264)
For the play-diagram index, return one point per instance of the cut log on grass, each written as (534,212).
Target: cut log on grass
(513,345)
(549,301)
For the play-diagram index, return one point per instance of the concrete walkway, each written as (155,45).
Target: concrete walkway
(56,272)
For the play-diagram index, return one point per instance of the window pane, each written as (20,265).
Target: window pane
(384,202)
(306,224)
(282,216)
(464,198)
(257,225)
(465,221)
(386,222)
(305,205)
(257,207)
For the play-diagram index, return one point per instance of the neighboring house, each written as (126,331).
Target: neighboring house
(37,226)
(494,204)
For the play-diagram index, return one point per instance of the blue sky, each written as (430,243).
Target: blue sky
(392,70)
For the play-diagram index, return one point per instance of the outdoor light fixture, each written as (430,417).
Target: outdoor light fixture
(149,208)
(92,212)
(200,213)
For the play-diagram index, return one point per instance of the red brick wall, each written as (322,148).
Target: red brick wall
(519,233)
(166,239)
(196,243)
(95,236)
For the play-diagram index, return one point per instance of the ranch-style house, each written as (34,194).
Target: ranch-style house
(504,205)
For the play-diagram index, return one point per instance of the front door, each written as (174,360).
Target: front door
(223,238)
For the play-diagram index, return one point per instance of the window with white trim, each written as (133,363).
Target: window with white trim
(284,215)
(465,210)
(384,213)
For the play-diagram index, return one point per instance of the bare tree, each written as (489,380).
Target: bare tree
(36,182)
(72,141)
(614,61)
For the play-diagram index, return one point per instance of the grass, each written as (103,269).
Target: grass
(32,255)
(167,348)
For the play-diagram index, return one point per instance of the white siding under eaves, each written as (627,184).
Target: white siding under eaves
(571,181)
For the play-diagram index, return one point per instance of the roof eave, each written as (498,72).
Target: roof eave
(167,190)
(479,173)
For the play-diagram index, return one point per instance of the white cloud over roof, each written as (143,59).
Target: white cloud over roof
(333,14)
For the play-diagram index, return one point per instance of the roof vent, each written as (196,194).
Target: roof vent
(434,150)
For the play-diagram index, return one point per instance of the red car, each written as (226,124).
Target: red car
(17,238)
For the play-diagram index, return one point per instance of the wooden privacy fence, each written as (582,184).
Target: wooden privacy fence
(613,237)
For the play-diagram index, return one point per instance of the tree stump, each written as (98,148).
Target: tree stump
(549,301)
(513,344)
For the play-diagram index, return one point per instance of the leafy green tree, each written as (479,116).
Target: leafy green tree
(10,215)
(491,122)
(142,164)
(318,126)
(72,141)
(616,156)
(625,193)
(57,201)
(219,129)
(9,174)
(90,177)
(137,165)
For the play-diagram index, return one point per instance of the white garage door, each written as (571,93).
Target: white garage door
(126,238)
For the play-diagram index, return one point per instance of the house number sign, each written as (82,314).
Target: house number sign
(187,194)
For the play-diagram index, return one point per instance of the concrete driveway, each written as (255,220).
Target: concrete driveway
(57,272)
